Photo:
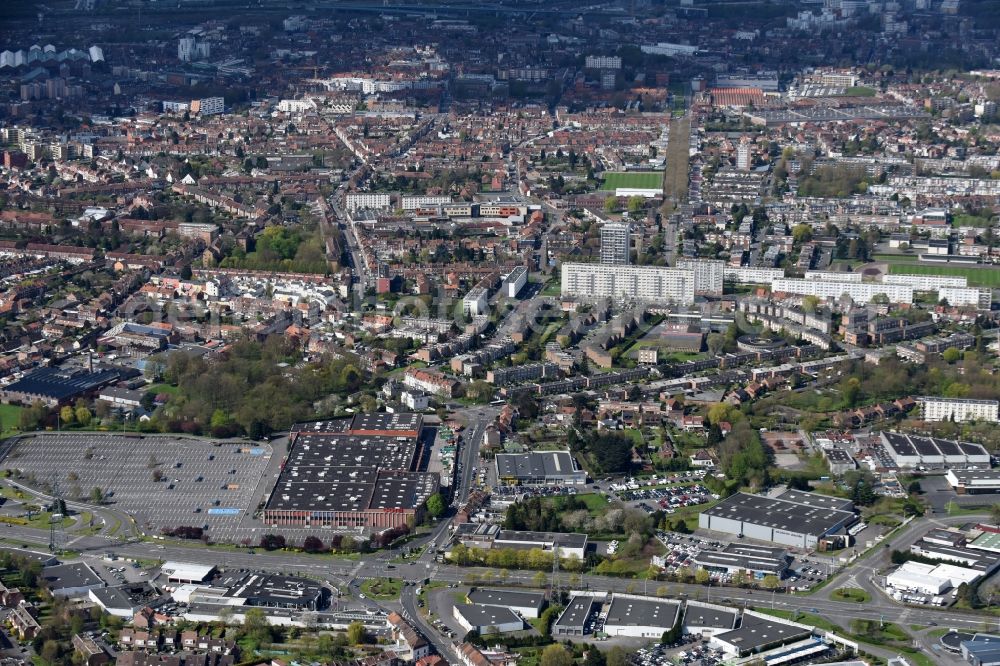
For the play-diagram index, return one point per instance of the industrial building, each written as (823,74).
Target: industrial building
(569,544)
(839,460)
(640,617)
(576,618)
(71,580)
(706,620)
(539,468)
(357,472)
(982,650)
(57,386)
(643,283)
(758,632)
(930,452)
(524,603)
(184,572)
(958,409)
(795,519)
(735,557)
(974,482)
(487,619)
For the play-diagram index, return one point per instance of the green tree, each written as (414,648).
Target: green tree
(556,655)
(951,354)
(610,204)
(701,576)
(96,495)
(82,416)
(770,582)
(356,634)
(435,505)
(617,656)
(636,205)
(67,415)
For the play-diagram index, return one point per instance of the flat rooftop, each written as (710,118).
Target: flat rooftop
(577,612)
(561,539)
(755,633)
(780,514)
(914,445)
(711,617)
(487,616)
(627,611)
(536,465)
(340,491)
(67,576)
(507,598)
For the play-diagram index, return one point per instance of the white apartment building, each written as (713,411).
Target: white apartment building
(515,282)
(708,274)
(833,276)
(925,282)
(752,275)
(979,297)
(415,202)
(959,409)
(646,283)
(475,302)
(860,292)
(603,62)
(363,200)
(209,106)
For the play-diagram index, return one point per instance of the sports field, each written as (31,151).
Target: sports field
(650,180)
(978,276)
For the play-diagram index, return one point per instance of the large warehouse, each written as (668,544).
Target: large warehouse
(974,481)
(797,519)
(539,468)
(915,451)
(356,472)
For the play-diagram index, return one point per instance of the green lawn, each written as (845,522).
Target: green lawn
(639,179)
(851,594)
(860,91)
(978,276)
(382,588)
(10,416)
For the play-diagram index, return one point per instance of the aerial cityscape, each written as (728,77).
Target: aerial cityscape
(513,333)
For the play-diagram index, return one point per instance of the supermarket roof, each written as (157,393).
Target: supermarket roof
(781,513)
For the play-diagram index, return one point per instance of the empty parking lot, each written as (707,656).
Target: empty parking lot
(201,483)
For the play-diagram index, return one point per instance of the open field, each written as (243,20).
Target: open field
(978,276)
(9,419)
(676,180)
(641,179)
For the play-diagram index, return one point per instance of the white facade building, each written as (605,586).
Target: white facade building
(862,292)
(616,243)
(925,282)
(515,282)
(979,297)
(648,283)
(474,303)
(752,275)
(415,202)
(603,62)
(959,409)
(363,200)
(833,276)
(708,274)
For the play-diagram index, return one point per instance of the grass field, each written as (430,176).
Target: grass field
(641,179)
(9,418)
(851,594)
(978,276)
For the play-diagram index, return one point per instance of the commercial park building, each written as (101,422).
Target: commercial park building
(797,519)
(618,615)
(735,557)
(358,472)
(539,468)
(930,452)
(974,482)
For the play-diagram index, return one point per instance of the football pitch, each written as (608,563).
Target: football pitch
(649,180)
(978,276)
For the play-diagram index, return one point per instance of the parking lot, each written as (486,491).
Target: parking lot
(162,481)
